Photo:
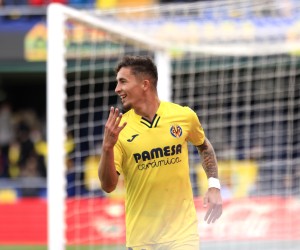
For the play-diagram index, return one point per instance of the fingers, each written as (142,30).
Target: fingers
(123,125)
(114,120)
(214,200)
(213,213)
(208,213)
(112,128)
(113,116)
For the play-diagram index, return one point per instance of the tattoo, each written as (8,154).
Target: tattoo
(208,157)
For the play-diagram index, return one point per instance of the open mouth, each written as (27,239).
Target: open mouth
(123,97)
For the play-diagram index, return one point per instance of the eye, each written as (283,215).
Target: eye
(120,81)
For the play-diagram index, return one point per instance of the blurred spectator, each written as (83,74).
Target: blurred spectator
(70,177)
(33,168)
(13,159)
(71,174)
(40,144)
(227,187)
(6,125)
(2,164)
(26,145)
(27,153)
(91,180)
(75,179)
(6,136)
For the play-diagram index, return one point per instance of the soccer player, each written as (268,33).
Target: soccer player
(149,146)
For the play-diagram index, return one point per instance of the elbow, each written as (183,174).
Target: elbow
(108,182)
(108,188)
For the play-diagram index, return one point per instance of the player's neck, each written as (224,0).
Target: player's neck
(148,108)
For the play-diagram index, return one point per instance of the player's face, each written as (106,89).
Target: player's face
(129,88)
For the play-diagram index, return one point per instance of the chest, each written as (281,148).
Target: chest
(163,138)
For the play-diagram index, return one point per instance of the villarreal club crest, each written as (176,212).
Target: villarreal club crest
(176,131)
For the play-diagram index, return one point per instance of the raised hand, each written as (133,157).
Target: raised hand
(112,127)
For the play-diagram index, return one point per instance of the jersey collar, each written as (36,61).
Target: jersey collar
(156,118)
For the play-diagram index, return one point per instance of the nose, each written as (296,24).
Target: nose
(118,89)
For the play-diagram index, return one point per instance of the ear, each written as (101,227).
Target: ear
(146,84)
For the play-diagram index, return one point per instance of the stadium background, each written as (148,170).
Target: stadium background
(23,143)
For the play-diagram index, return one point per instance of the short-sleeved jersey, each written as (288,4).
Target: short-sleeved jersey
(153,157)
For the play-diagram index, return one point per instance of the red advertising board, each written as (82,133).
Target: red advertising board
(101,221)
(23,221)
(254,219)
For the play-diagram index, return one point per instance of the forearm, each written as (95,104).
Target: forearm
(107,173)
(209,160)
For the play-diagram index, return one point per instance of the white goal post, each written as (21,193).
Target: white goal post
(56,127)
(241,74)
(56,81)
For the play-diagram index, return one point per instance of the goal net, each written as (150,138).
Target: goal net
(236,63)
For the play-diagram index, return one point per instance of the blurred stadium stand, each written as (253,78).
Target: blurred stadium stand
(23,148)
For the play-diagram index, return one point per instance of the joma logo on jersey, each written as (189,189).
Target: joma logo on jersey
(158,152)
(132,138)
(176,131)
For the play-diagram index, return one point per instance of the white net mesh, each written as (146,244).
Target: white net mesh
(235,63)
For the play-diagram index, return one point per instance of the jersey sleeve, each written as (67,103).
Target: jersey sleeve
(196,133)
(118,157)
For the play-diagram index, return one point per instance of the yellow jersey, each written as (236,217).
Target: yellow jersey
(153,157)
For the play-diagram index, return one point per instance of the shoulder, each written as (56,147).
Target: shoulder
(177,108)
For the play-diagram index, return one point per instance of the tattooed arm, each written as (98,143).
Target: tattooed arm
(209,160)
(213,196)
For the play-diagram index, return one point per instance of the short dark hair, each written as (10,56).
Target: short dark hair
(139,65)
